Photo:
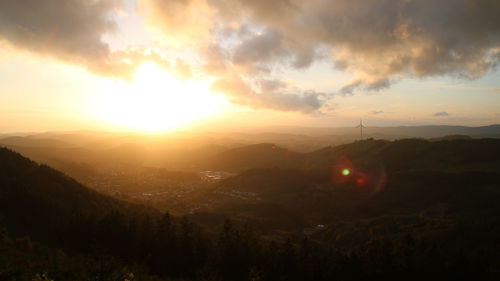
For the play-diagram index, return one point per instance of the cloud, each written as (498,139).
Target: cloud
(383,39)
(260,47)
(377,112)
(72,31)
(376,85)
(268,85)
(379,42)
(68,30)
(441,114)
(269,94)
(184,20)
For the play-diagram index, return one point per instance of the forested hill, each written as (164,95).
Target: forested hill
(367,179)
(38,200)
(401,154)
(105,239)
(264,155)
(411,154)
(73,233)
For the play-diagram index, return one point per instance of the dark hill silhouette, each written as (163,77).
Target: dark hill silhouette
(313,197)
(270,181)
(404,177)
(263,155)
(452,137)
(438,200)
(47,206)
(409,154)
(393,155)
(425,221)
(44,203)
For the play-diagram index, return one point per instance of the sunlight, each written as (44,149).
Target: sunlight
(157,101)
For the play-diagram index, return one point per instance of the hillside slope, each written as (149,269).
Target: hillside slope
(404,154)
(37,197)
(454,179)
(264,155)
(420,223)
(49,207)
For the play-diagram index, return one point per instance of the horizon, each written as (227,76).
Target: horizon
(249,129)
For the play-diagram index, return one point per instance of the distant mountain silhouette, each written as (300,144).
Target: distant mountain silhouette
(34,142)
(430,131)
(75,152)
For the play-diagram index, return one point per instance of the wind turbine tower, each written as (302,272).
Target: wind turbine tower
(360,126)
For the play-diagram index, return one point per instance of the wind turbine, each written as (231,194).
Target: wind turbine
(360,126)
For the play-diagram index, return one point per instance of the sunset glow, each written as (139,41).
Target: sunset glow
(155,65)
(157,101)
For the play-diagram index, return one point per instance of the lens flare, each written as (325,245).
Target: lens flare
(360,181)
(342,171)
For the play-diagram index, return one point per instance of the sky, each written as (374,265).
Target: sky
(154,65)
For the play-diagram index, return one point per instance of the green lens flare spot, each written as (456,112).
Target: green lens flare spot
(346,172)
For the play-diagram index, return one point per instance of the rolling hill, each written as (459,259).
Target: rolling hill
(393,155)
(426,208)
(406,177)
(264,155)
(39,201)
(92,236)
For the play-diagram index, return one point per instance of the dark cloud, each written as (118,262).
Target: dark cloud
(70,30)
(260,47)
(268,85)
(350,88)
(215,59)
(303,58)
(378,41)
(376,85)
(306,102)
(441,114)
(269,94)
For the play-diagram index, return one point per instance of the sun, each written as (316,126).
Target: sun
(156,100)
